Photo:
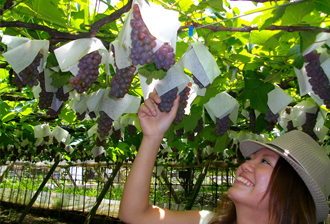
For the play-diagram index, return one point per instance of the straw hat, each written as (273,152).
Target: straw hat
(309,160)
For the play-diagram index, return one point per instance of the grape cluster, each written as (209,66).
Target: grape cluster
(100,142)
(121,81)
(318,79)
(88,72)
(61,96)
(271,118)
(142,41)
(309,125)
(45,98)
(191,136)
(167,100)
(221,126)
(92,114)
(199,127)
(29,75)
(182,105)
(81,116)
(17,81)
(116,133)
(131,130)
(290,126)
(53,113)
(179,132)
(200,85)
(164,57)
(252,119)
(104,124)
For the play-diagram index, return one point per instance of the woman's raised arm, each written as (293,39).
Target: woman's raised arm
(134,206)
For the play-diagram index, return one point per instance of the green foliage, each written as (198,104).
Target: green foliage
(251,63)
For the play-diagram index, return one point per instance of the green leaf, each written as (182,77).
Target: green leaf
(294,50)
(51,61)
(270,17)
(8,116)
(260,124)
(28,127)
(4,108)
(60,79)
(307,38)
(299,60)
(67,115)
(185,4)
(216,4)
(221,143)
(295,13)
(256,91)
(323,6)
(150,74)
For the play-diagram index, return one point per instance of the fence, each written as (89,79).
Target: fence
(76,187)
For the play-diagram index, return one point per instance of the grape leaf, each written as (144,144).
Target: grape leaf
(154,74)
(307,38)
(60,79)
(323,6)
(256,91)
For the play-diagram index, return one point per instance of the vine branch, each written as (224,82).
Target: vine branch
(250,28)
(55,34)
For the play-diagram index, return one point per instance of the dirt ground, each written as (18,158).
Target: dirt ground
(10,213)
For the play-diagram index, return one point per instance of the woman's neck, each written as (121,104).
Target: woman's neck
(248,215)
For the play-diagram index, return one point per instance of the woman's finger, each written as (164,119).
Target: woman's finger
(154,97)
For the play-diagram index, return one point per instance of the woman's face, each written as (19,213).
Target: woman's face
(252,179)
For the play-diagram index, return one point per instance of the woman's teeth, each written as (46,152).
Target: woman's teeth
(244,181)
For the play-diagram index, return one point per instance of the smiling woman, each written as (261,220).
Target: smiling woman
(284,181)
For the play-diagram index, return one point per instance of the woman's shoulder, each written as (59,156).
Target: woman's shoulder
(205,216)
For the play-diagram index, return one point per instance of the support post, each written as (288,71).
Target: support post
(198,185)
(35,196)
(105,189)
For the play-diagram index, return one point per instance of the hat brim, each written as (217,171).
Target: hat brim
(249,147)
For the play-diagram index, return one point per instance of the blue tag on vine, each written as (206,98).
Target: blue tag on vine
(191,30)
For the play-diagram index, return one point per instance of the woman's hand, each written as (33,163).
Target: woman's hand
(154,122)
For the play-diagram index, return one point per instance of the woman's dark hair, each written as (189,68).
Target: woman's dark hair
(290,201)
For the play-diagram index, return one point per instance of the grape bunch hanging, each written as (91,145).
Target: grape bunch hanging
(104,124)
(167,100)
(182,104)
(221,126)
(164,57)
(88,72)
(121,81)
(29,75)
(61,96)
(318,79)
(197,82)
(271,118)
(142,40)
(45,98)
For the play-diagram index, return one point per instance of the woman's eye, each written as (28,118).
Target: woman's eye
(265,161)
(248,158)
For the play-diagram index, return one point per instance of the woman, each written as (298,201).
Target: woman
(285,181)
